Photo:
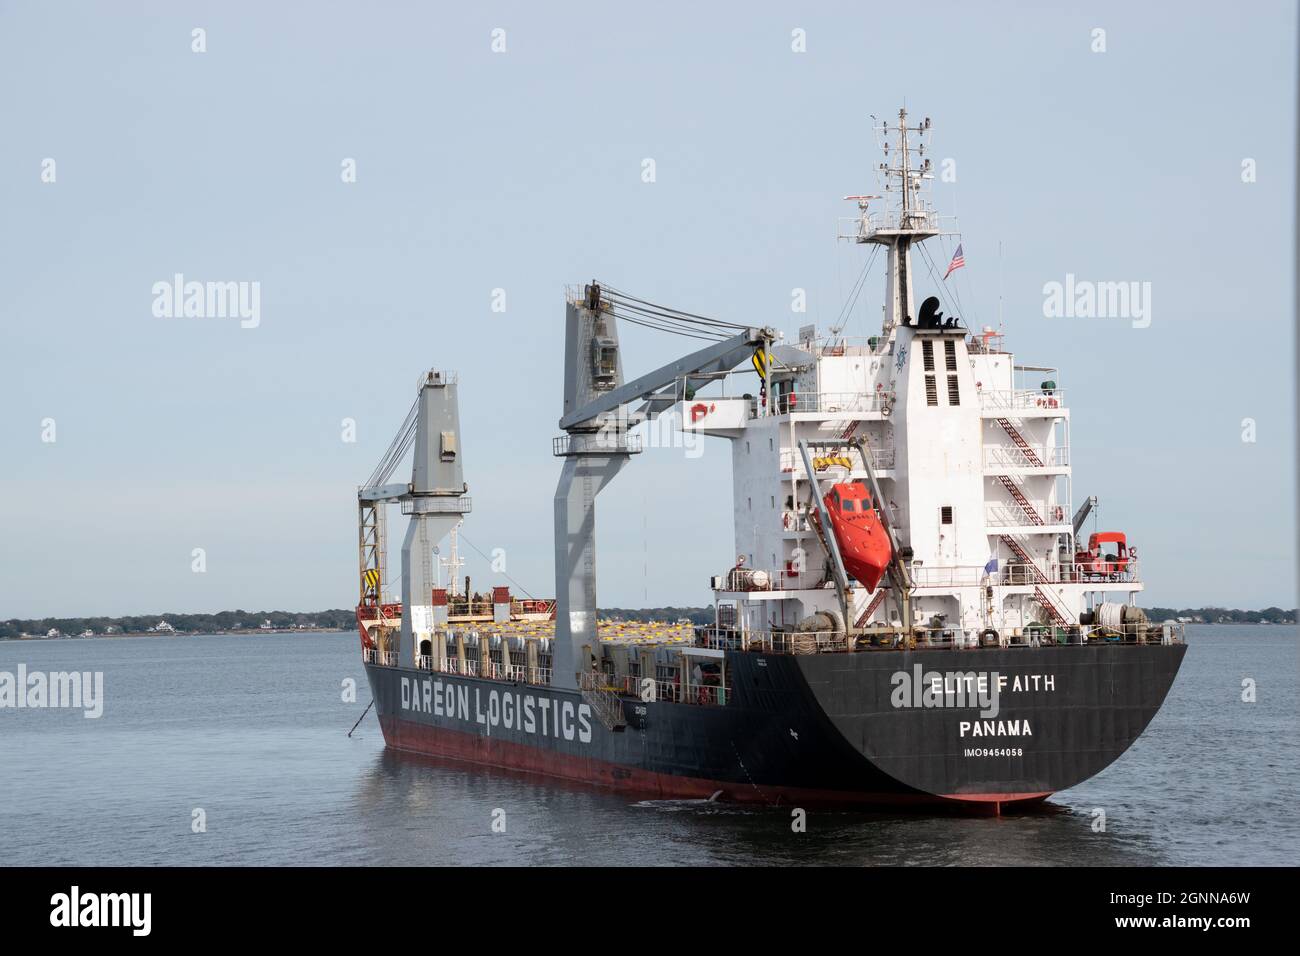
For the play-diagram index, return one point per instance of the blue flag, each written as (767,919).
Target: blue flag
(991,566)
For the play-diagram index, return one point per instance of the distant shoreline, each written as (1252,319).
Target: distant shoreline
(616,613)
(243,631)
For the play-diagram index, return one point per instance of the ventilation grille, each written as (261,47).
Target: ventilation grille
(954,396)
(927,353)
(931,391)
(950,354)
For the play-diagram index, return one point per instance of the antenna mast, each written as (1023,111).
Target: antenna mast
(905,173)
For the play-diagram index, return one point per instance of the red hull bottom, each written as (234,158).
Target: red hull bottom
(485,751)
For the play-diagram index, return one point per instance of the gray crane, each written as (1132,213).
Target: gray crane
(596,444)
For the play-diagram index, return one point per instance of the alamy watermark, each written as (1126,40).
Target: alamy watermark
(75,908)
(664,431)
(922,688)
(1085,299)
(64,689)
(208,300)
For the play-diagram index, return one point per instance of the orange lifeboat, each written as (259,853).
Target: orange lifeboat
(864,544)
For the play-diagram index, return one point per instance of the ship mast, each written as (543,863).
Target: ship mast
(904,174)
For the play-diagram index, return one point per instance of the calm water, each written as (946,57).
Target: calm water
(253,730)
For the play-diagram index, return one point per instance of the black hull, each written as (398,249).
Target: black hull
(829,729)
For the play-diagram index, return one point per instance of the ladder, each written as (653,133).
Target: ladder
(603,700)
(1049,606)
(1020,442)
(876,601)
(1042,593)
(1014,490)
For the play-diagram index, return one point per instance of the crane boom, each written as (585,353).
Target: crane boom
(593,454)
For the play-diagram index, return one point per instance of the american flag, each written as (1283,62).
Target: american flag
(958,260)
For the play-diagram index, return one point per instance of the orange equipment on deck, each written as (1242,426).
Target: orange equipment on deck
(864,545)
(1092,563)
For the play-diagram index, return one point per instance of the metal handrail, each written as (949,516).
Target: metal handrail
(822,642)
(828,402)
(881,458)
(1013,516)
(1021,398)
(1013,456)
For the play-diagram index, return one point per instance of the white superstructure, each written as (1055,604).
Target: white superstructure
(971,452)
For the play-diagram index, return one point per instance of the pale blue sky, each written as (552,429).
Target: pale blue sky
(522,171)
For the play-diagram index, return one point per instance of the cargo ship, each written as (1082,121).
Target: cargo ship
(912,615)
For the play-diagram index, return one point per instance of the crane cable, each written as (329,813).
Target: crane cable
(398,448)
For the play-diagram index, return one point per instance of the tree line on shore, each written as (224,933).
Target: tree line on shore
(342,619)
(223,621)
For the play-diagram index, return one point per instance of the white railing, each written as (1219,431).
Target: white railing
(847,345)
(1080,574)
(454,665)
(471,667)
(824,642)
(432,504)
(665,691)
(865,225)
(602,442)
(1012,456)
(494,670)
(1013,573)
(781,580)
(770,642)
(827,403)
(1012,515)
(881,458)
(1020,399)
(985,343)
(952,577)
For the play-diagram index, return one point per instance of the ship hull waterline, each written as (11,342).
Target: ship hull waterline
(822,730)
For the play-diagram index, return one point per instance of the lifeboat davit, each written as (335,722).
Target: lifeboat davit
(864,544)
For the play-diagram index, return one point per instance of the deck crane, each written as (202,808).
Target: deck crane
(435,499)
(596,443)
(1081,515)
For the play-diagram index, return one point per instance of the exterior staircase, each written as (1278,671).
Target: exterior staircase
(876,600)
(1049,605)
(604,700)
(1013,489)
(1043,593)
(1014,434)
